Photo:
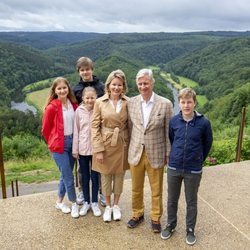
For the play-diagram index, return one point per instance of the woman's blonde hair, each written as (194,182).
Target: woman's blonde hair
(53,95)
(116,74)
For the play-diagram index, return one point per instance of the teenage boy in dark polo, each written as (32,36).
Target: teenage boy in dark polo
(190,136)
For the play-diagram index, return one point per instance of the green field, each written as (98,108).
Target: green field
(38,98)
(201,99)
(187,82)
(168,78)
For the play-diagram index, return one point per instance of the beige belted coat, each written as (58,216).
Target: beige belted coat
(110,136)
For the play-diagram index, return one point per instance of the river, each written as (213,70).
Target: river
(23,106)
(175,94)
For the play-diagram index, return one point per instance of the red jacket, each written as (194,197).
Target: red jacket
(52,126)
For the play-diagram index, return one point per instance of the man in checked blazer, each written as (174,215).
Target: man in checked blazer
(149,147)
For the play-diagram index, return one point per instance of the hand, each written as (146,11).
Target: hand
(99,157)
(166,159)
(76,156)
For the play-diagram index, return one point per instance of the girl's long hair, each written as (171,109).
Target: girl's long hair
(52,95)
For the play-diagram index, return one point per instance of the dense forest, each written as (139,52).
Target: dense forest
(218,61)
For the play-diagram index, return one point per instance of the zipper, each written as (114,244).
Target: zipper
(185,145)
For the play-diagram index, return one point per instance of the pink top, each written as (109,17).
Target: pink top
(82,131)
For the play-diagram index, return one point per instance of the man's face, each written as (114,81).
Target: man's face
(145,86)
(187,106)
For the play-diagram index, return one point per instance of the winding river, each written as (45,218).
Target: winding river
(23,106)
(175,94)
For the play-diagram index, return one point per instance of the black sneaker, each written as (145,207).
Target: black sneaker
(135,221)
(190,239)
(156,226)
(167,232)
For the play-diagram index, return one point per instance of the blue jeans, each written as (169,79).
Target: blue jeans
(191,183)
(87,173)
(65,163)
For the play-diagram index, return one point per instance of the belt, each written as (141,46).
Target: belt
(115,133)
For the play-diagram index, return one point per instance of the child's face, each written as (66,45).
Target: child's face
(86,73)
(89,99)
(187,106)
(62,90)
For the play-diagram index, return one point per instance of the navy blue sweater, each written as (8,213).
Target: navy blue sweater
(190,143)
(96,84)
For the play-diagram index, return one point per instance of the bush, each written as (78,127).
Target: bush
(222,151)
(23,146)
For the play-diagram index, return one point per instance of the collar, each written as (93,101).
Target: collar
(106,97)
(151,100)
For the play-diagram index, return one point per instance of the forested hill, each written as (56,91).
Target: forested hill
(219,61)
(148,48)
(219,68)
(21,65)
(45,40)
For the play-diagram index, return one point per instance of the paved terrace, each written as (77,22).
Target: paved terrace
(31,221)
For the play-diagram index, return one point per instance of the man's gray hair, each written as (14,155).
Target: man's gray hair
(144,72)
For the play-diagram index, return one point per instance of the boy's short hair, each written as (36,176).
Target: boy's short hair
(84,62)
(187,93)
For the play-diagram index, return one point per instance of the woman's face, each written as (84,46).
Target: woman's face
(62,90)
(116,88)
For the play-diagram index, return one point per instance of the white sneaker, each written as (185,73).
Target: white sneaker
(74,210)
(80,198)
(63,207)
(85,208)
(116,213)
(96,210)
(107,214)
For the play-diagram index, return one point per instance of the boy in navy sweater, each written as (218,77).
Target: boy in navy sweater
(190,136)
(85,68)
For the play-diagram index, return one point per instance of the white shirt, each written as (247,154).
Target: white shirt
(118,105)
(146,109)
(68,118)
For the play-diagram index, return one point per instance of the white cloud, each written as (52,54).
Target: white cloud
(124,16)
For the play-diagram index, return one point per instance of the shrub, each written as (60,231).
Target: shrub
(23,146)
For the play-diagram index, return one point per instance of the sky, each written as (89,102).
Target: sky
(111,16)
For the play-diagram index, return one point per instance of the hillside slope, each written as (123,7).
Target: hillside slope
(219,68)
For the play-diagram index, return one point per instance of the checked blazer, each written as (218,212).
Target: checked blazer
(155,137)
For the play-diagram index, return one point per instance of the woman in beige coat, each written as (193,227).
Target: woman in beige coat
(110,141)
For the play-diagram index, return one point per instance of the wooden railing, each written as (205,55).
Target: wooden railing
(4,194)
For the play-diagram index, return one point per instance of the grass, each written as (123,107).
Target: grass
(31,171)
(37,98)
(168,78)
(202,100)
(187,82)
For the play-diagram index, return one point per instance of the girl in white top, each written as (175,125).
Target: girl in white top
(82,150)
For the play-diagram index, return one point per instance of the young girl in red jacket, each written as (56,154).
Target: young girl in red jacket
(57,130)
